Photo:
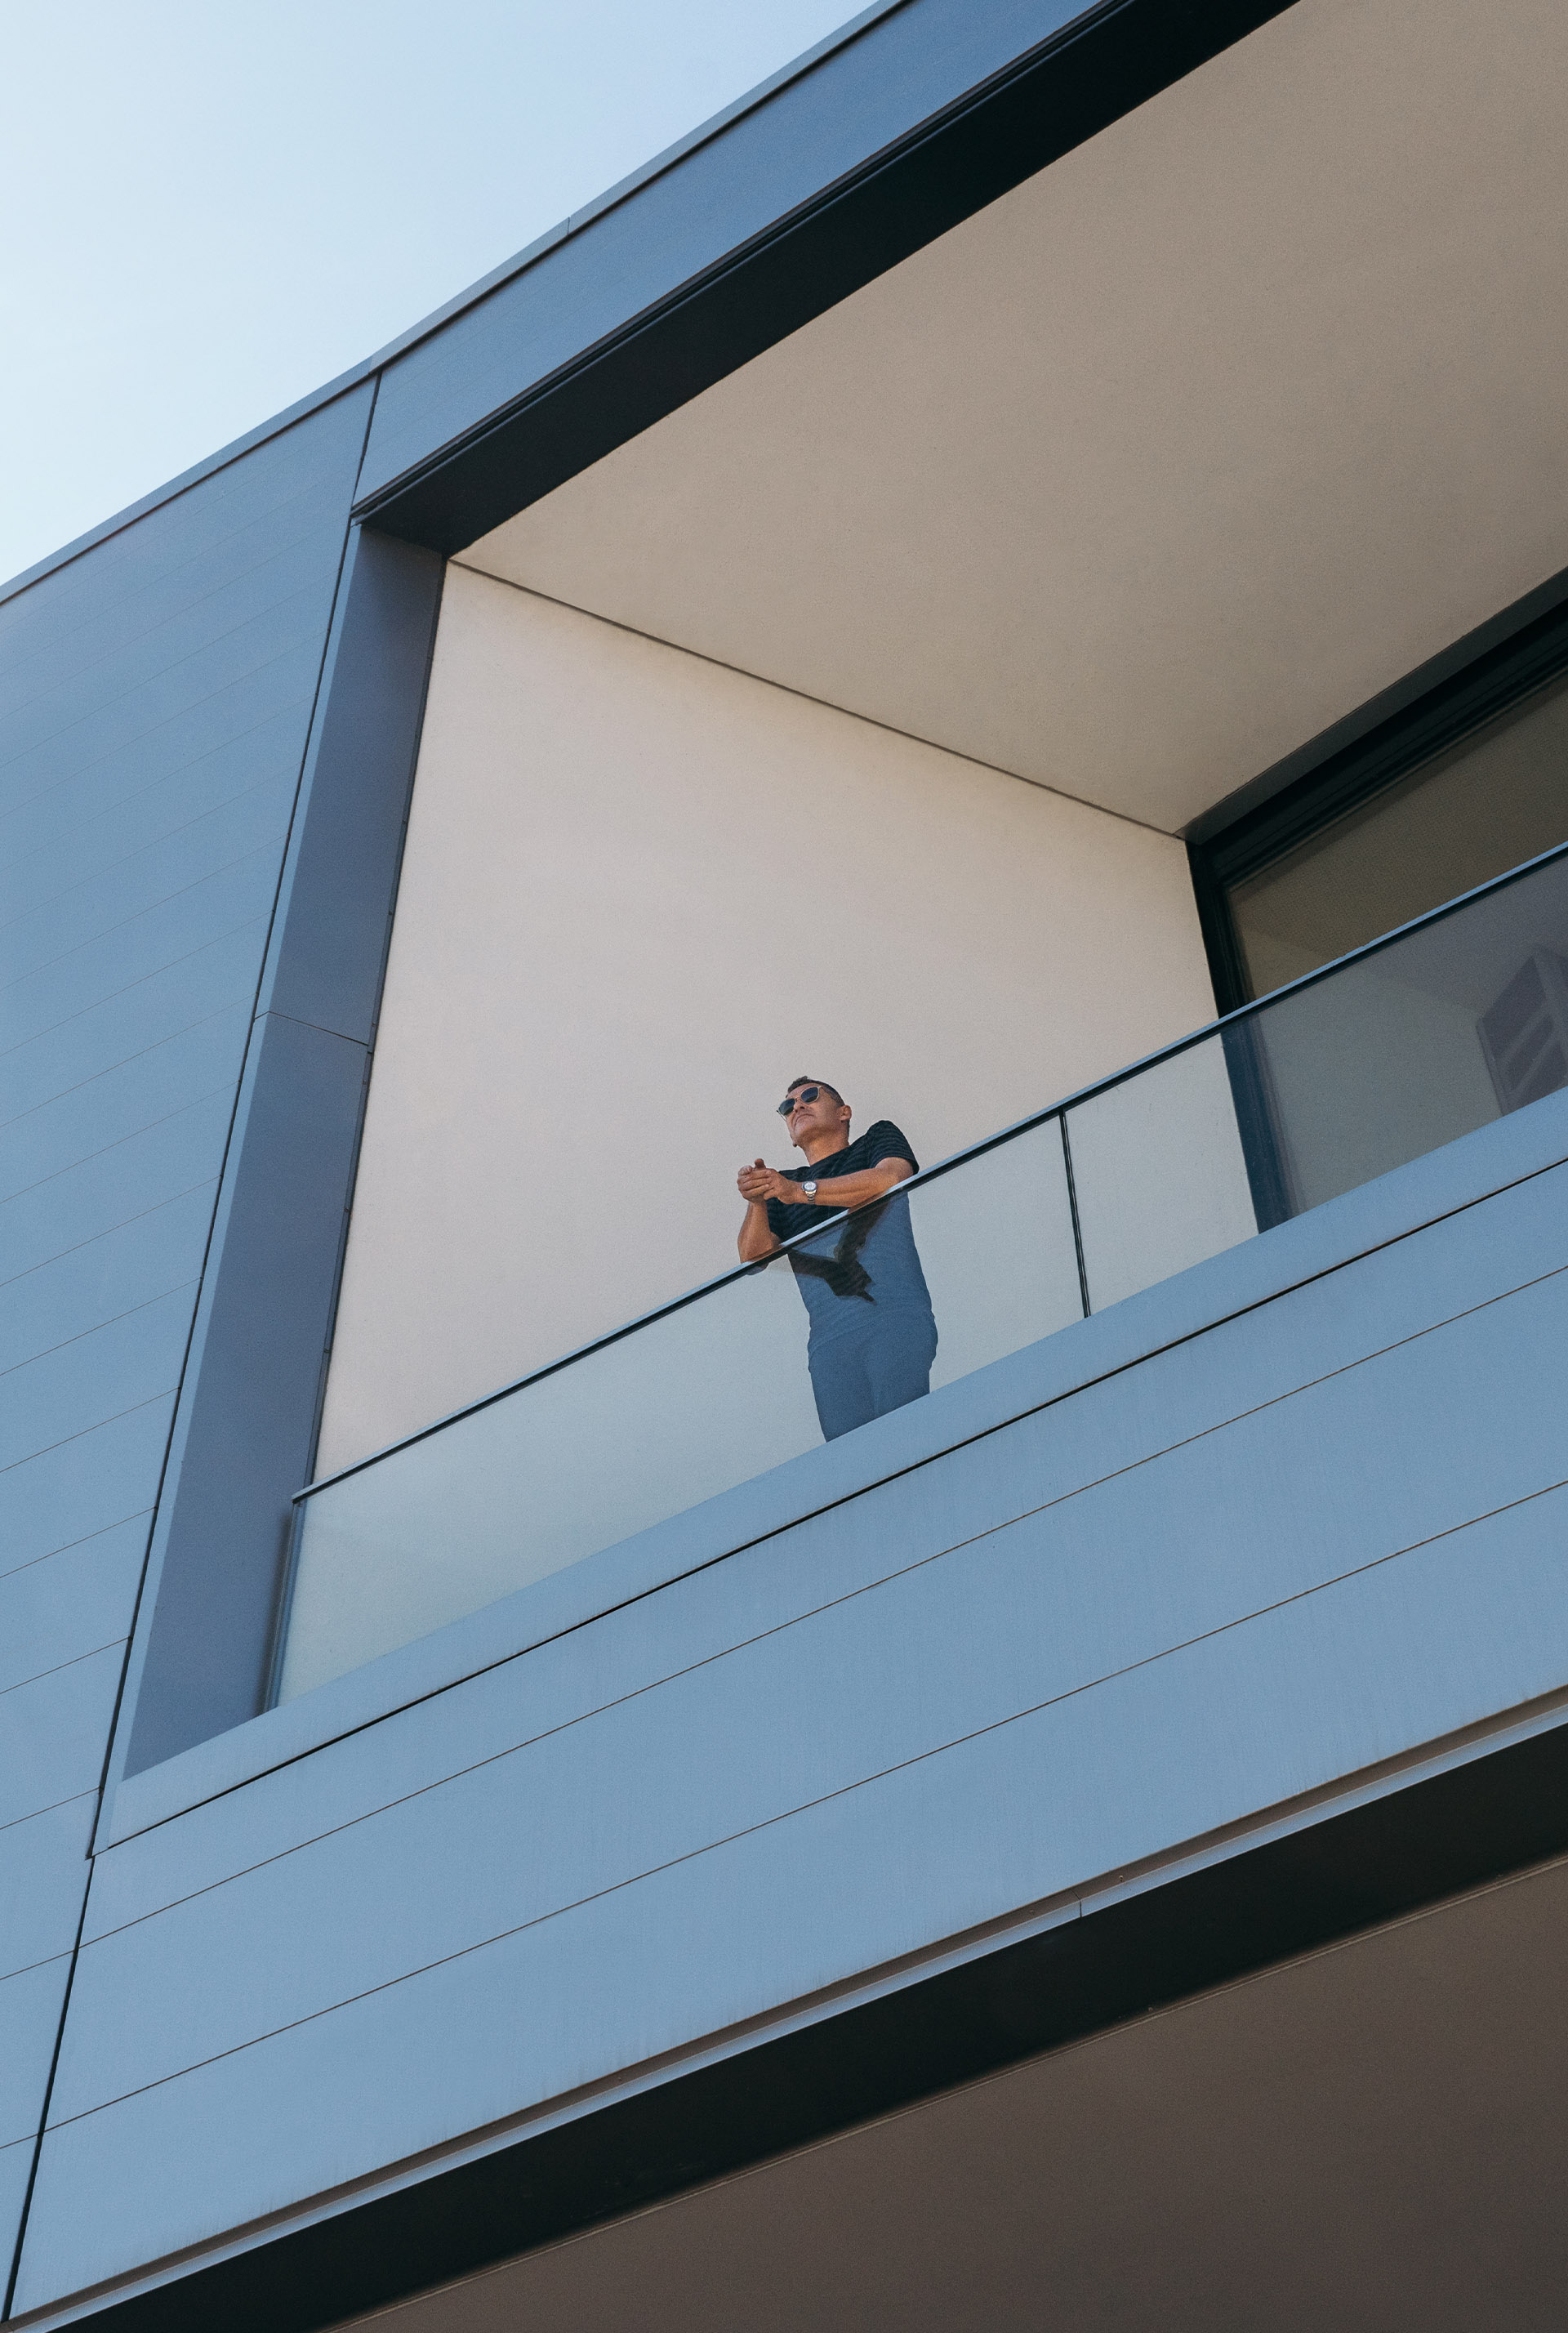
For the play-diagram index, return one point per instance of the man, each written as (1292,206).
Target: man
(873,1337)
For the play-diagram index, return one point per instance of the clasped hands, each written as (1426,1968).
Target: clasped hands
(758,1183)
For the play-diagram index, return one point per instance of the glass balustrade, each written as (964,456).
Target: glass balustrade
(1354,1072)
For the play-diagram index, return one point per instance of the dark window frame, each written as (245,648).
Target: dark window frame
(1468,691)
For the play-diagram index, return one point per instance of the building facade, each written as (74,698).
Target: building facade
(1022,571)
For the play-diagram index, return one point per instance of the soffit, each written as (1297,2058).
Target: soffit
(1368,2139)
(1168,459)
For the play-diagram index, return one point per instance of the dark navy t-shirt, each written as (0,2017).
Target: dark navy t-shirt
(865,1264)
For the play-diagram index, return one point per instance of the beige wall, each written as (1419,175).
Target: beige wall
(642,892)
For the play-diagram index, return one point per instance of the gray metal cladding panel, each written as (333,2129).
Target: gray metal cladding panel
(333,919)
(128,1178)
(176,700)
(44,1875)
(109,623)
(43,1880)
(238,627)
(96,1377)
(52,1733)
(94,591)
(15,2169)
(1054,1605)
(77,837)
(243,1441)
(149,1090)
(1120,1422)
(69,1603)
(800,140)
(1322,1535)
(30,2006)
(84,1045)
(146,943)
(158,869)
(777,1913)
(157,693)
(251,726)
(103,1279)
(88,1483)
(67,667)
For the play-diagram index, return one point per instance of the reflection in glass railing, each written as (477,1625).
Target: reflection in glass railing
(1360,1069)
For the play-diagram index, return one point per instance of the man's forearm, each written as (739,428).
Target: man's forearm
(834,1193)
(756,1239)
(838,1191)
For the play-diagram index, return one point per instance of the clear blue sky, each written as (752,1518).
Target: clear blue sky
(211,206)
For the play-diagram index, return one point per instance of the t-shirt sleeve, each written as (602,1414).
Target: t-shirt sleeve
(885,1141)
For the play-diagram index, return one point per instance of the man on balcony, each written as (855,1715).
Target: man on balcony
(873,1335)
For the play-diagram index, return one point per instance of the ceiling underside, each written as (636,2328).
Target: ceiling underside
(1369,2139)
(1165,461)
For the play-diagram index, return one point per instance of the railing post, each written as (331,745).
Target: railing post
(1073,1211)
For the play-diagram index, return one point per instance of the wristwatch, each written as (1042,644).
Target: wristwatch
(810,1191)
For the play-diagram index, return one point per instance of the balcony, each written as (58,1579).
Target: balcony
(1425,1036)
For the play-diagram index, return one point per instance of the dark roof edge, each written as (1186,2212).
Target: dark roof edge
(517,264)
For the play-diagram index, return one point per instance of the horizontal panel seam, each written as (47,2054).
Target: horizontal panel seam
(206,1183)
(67,1546)
(235,1003)
(601,1709)
(115,752)
(317,531)
(31,1968)
(96,939)
(171,834)
(218,940)
(218,474)
(119,1142)
(790,1814)
(868,1587)
(298,1021)
(14,1822)
(113,1322)
(312,590)
(75,1661)
(149,1403)
(165,777)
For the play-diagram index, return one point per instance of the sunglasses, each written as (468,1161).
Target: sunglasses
(792,1101)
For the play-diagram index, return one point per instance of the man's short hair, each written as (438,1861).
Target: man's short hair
(838,1097)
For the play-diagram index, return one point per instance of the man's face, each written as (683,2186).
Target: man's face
(825,1115)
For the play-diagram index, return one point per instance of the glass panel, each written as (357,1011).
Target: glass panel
(996,1239)
(1488,803)
(1392,1056)
(1429,1038)
(1159,1174)
(686,1406)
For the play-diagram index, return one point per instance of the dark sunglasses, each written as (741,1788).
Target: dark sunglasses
(792,1100)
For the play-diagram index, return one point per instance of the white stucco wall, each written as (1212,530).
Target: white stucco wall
(641,892)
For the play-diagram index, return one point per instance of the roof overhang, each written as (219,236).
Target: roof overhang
(1152,464)
(923,115)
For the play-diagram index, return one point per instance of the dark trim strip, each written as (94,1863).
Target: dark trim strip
(1064,91)
(246,1424)
(1498,1813)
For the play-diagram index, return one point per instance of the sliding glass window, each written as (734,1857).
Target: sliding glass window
(1450,796)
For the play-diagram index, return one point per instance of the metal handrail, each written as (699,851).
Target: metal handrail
(1057,1109)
